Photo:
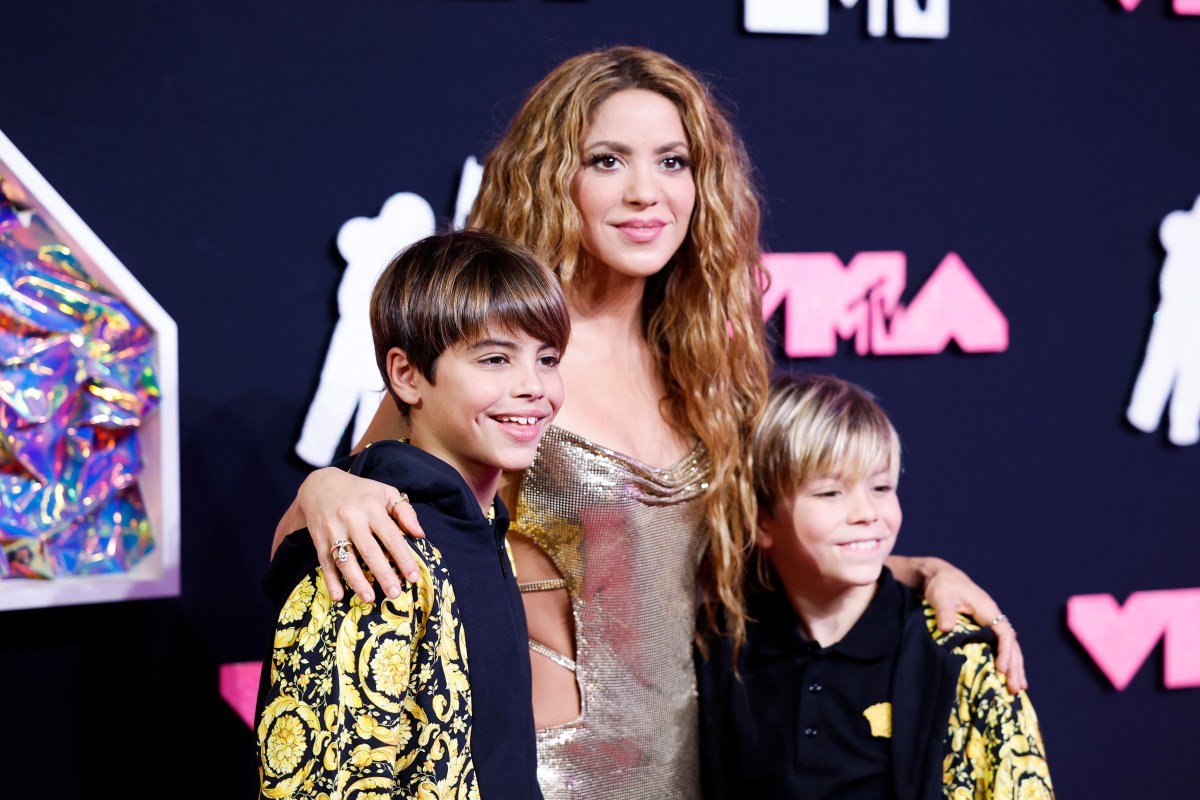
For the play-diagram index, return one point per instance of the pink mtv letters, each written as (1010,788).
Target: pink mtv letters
(826,301)
(1182,7)
(1119,639)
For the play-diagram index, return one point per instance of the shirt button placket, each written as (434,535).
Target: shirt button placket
(810,721)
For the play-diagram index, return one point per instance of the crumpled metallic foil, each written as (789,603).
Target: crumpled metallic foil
(76,384)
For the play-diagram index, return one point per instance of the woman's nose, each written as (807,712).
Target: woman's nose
(641,187)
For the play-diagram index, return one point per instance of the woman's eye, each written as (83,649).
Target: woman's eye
(494,360)
(606,162)
(885,488)
(548,361)
(675,163)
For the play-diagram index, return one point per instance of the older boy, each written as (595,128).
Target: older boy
(373,700)
(844,688)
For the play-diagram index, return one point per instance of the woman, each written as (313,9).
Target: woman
(622,172)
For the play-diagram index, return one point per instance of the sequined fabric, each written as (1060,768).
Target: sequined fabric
(628,539)
(76,383)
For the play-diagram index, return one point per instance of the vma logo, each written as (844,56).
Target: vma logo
(1184,8)
(827,301)
(911,19)
(1120,638)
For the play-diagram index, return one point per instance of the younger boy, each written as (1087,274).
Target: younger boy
(844,688)
(381,700)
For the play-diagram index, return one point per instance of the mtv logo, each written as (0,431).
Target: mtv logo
(825,300)
(1183,8)
(911,19)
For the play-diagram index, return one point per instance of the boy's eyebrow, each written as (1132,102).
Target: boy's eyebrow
(484,344)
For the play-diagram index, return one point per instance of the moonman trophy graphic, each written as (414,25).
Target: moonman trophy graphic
(1171,368)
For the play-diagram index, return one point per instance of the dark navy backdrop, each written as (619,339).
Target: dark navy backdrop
(216,147)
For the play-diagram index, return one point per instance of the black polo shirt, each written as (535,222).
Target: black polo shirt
(803,721)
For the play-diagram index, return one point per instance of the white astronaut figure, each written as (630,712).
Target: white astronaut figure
(350,378)
(468,187)
(1171,368)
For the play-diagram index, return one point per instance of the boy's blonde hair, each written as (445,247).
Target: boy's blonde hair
(816,426)
(449,288)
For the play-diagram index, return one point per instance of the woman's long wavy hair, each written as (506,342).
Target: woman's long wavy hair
(702,312)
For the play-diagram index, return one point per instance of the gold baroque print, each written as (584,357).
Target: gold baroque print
(369,700)
(994,745)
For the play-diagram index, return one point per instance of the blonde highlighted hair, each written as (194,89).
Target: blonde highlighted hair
(819,426)
(702,312)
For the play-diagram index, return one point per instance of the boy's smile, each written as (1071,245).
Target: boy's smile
(487,407)
(831,536)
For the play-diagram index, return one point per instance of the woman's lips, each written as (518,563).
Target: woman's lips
(642,230)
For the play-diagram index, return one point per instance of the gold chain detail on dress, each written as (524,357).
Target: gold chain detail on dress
(553,655)
(543,586)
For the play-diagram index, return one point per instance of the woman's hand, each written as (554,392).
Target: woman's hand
(951,592)
(336,505)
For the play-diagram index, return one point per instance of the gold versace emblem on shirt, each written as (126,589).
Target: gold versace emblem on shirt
(880,717)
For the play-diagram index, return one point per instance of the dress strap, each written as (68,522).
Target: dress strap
(553,655)
(543,586)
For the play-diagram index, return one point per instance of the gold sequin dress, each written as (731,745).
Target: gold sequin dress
(628,539)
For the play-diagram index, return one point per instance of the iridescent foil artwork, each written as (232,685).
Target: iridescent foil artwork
(76,384)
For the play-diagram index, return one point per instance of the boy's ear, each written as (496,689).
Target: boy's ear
(402,375)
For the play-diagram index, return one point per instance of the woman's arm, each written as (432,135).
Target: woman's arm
(950,592)
(335,505)
(388,423)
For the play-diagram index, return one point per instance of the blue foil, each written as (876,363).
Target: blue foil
(76,384)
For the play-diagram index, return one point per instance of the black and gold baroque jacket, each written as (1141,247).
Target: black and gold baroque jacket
(374,700)
(369,699)
(992,746)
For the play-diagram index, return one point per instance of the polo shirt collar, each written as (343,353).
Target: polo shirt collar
(876,633)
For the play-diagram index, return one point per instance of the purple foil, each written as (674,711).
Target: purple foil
(76,383)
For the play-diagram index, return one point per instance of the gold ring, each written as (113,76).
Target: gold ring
(340,550)
(998,620)
(403,498)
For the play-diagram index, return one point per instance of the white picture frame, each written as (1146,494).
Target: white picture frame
(156,575)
